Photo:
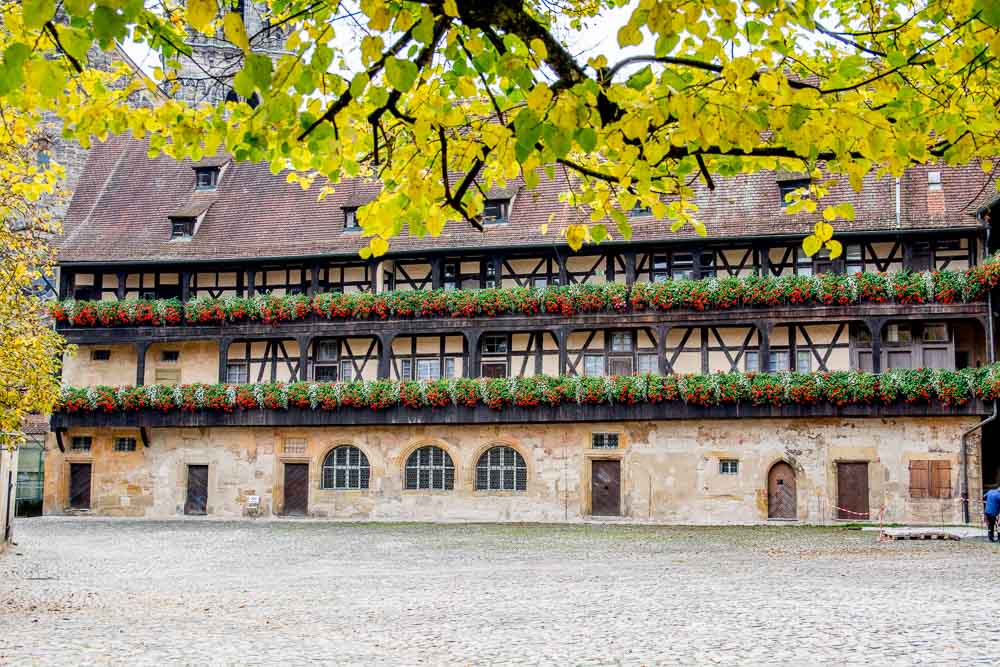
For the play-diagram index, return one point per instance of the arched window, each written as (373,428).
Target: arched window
(501,468)
(346,467)
(430,468)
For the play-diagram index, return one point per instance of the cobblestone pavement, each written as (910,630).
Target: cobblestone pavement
(101,591)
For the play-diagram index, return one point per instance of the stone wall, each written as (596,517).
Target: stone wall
(8,481)
(669,470)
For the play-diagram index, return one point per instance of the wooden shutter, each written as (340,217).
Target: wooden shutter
(940,479)
(920,479)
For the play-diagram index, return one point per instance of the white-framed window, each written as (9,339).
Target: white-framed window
(620,366)
(81,443)
(430,468)
(778,361)
(936,332)
(648,363)
(604,440)
(237,372)
(803,361)
(206,178)
(449,276)
(729,466)
(751,361)
(899,334)
(406,369)
(593,364)
(124,444)
(346,370)
(351,219)
(682,267)
(661,270)
(621,341)
(854,258)
(346,468)
(495,211)
(495,344)
(428,369)
(501,468)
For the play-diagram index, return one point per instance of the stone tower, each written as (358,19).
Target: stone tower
(206,76)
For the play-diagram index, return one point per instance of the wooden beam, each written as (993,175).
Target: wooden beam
(59,439)
(144,434)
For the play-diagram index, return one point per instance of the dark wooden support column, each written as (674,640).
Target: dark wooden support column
(224,344)
(437,270)
(563,273)
(65,283)
(764,328)
(59,439)
(144,434)
(662,332)
(373,269)
(703,331)
(140,362)
(185,278)
(385,355)
(472,337)
(630,268)
(313,279)
(562,338)
(240,281)
(304,343)
(875,327)
(763,260)
(122,279)
(251,282)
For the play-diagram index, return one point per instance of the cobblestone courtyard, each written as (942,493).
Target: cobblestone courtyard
(204,592)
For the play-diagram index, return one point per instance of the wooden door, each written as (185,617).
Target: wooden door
(296,488)
(782,502)
(197,490)
(852,490)
(79,486)
(605,488)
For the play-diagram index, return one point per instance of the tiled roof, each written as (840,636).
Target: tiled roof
(121,207)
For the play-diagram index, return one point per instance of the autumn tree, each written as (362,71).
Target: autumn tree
(29,348)
(440,100)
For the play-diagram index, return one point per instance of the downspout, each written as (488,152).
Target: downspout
(990,357)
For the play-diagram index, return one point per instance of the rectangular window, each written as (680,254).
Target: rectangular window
(346,370)
(682,267)
(351,219)
(621,341)
(729,466)
(81,443)
(495,344)
(405,369)
(489,275)
(449,367)
(707,264)
(803,361)
(100,355)
(237,372)
(170,356)
(541,282)
(803,263)
(206,178)
(295,446)
(930,479)
(124,444)
(182,228)
(936,333)
(648,363)
(428,369)
(593,364)
(854,258)
(450,276)
(620,366)
(778,361)
(604,440)
(638,211)
(493,369)
(786,188)
(495,211)
(899,334)
(327,350)
(660,272)
(167,376)
(751,362)
(325,373)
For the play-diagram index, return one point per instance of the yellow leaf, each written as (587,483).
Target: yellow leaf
(828,214)
(822,230)
(986,165)
(235,31)
(538,46)
(379,246)
(575,236)
(201,13)
(835,248)
(811,244)
(450,8)
(543,229)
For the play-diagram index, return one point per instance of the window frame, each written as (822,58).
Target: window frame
(330,468)
(605,440)
(351,219)
(413,463)
(211,183)
(517,470)
(729,466)
(503,211)
(87,440)
(124,444)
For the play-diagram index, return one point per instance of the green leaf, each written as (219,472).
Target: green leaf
(235,31)
(400,73)
(598,233)
(587,138)
(358,84)
(201,13)
(75,41)
(641,79)
(755,30)
(47,77)
(38,12)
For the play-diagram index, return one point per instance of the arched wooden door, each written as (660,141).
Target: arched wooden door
(781,498)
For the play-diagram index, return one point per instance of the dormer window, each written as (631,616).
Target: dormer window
(638,211)
(351,220)
(786,188)
(182,228)
(495,211)
(206,178)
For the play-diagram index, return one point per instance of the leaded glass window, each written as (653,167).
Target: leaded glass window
(501,468)
(430,468)
(346,467)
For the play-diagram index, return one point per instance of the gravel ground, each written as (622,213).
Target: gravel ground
(99,591)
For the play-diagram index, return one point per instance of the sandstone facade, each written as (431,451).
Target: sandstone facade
(670,470)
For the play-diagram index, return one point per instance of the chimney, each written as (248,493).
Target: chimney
(935,195)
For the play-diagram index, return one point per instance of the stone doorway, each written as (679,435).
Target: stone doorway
(782,501)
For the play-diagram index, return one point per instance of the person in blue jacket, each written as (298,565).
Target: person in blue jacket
(991,510)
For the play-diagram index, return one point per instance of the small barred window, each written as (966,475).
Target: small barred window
(501,469)
(729,466)
(430,468)
(345,468)
(81,443)
(124,444)
(604,440)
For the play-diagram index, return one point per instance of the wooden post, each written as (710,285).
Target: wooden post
(224,344)
(313,279)
(562,338)
(251,286)
(384,355)
(472,352)
(304,342)
(437,279)
(630,268)
(662,332)
(65,283)
(875,327)
(120,291)
(185,278)
(140,364)
(764,354)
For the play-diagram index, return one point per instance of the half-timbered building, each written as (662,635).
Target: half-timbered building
(156,231)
